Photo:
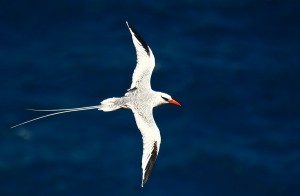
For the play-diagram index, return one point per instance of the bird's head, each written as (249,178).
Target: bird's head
(165,98)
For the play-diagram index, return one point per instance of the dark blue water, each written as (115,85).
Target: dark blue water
(234,66)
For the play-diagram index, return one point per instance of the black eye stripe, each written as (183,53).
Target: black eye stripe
(165,98)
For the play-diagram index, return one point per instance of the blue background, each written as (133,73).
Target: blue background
(234,66)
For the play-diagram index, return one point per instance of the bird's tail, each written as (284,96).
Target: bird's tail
(110,104)
(56,112)
(106,105)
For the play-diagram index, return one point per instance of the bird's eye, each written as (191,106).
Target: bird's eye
(165,98)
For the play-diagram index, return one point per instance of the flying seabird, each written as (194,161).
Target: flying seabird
(140,98)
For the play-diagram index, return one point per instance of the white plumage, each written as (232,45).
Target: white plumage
(140,98)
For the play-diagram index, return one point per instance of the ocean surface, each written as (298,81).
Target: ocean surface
(233,65)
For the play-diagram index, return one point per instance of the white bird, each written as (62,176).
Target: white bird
(140,98)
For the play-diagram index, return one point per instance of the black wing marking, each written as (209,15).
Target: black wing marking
(150,163)
(139,38)
(131,89)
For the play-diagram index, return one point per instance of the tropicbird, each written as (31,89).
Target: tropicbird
(140,98)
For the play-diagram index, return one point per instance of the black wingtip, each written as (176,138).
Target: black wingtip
(139,38)
(150,164)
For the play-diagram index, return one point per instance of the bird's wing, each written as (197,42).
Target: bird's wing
(145,61)
(151,139)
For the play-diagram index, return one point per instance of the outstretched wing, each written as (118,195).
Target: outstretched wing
(151,139)
(145,61)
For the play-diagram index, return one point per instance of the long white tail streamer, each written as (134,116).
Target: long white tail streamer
(57,111)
